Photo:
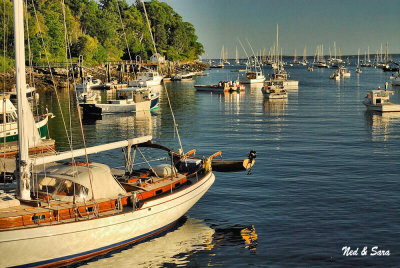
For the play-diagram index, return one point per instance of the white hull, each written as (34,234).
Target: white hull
(57,243)
(245,80)
(290,84)
(384,108)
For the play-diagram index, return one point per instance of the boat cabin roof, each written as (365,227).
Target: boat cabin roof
(103,183)
(381,93)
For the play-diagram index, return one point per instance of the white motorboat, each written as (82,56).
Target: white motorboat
(128,100)
(344,72)
(274,90)
(88,83)
(253,77)
(146,79)
(379,100)
(221,87)
(282,75)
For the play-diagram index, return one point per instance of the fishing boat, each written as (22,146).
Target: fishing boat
(253,74)
(76,210)
(379,100)
(128,100)
(282,75)
(146,79)
(222,86)
(274,90)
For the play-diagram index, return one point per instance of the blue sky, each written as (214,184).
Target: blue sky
(352,24)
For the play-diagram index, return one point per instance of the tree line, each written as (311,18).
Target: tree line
(97,30)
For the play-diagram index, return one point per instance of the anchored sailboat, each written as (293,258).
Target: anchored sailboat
(73,211)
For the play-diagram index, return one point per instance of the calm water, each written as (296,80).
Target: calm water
(326,174)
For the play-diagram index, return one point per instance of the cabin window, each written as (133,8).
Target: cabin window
(38,218)
(159,192)
(60,187)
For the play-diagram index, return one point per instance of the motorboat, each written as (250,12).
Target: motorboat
(146,79)
(128,100)
(274,90)
(282,75)
(88,83)
(222,86)
(344,72)
(379,100)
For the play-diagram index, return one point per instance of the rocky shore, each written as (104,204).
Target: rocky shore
(43,79)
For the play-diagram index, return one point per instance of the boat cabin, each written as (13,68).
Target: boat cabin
(378,97)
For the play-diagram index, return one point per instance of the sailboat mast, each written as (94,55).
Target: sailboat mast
(23,161)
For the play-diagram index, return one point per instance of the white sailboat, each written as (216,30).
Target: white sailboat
(254,73)
(358,70)
(72,212)
(237,57)
(304,62)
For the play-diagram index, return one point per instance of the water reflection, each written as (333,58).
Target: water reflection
(275,107)
(123,125)
(381,124)
(176,248)
(237,235)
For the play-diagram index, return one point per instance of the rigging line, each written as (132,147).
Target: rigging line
(31,76)
(29,43)
(254,55)
(165,87)
(148,163)
(148,24)
(247,55)
(68,85)
(123,29)
(79,115)
(51,74)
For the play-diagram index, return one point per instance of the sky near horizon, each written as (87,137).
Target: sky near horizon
(353,24)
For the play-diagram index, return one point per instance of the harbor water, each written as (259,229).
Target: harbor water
(326,175)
